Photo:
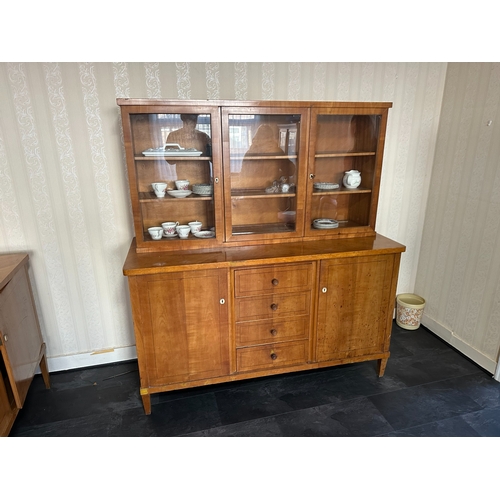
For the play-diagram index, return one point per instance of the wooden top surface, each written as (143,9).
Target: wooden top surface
(126,101)
(156,263)
(9,264)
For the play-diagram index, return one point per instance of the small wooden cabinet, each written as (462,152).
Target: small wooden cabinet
(288,272)
(21,345)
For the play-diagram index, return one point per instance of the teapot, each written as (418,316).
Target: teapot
(352,179)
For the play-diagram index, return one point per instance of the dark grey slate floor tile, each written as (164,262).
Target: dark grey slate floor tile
(423,404)
(261,427)
(90,426)
(485,422)
(480,387)
(429,367)
(358,417)
(179,417)
(450,427)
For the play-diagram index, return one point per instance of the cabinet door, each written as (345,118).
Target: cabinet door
(21,338)
(181,325)
(264,172)
(344,140)
(356,300)
(165,145)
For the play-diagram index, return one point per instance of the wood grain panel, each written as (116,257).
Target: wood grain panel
(273,356)
(274,279)
(353,309)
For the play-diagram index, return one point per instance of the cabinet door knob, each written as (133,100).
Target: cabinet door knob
(274,307)
(275,282)
(222,301)
(5,338)
(216,180)
(311,176)
(324,289)
(274,332)
(274,356)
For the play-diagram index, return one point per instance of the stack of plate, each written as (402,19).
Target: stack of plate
(325,223)
(325,185)
(203,189)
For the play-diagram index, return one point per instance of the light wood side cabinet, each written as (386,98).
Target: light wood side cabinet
(287,273)
(21,345)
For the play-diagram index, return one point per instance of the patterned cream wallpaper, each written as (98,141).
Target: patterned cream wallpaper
(459,266)
(63,186)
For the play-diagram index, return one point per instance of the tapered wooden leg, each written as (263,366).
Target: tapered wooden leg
(44,369)
(146,401)
(382,363)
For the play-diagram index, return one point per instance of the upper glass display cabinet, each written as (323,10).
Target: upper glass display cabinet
(345,161)
(264,172)
(173,160)
(251,172)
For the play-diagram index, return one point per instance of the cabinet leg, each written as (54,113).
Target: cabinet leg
(44,369)
(382,363)
(146,402)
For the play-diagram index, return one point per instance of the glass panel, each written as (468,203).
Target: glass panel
(344,170)
(263,172)
(174,172)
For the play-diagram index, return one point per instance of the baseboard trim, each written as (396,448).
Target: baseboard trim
(84,360)
(448,336)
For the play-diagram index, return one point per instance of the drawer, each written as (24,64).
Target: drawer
(271,306)
(271,356)
(265,332)
(273,279)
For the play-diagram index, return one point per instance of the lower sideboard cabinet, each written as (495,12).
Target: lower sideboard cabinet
(355,308)
(181,327)
(202,318)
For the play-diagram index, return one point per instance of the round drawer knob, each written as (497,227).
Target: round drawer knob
(274,356)
(275,282)
(274,307)
(274,332)
(324,289)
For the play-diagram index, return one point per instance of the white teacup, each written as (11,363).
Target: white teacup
(169,229)
(183,231)
(195,226)
(159,189)
(182,184)
(156,232)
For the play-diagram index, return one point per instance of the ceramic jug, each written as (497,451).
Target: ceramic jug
(352,179)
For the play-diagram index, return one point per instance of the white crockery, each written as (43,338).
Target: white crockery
(195,226)
(159,188)
(169,229)
(156,232)
(183,231)
(179,193)
(182,184)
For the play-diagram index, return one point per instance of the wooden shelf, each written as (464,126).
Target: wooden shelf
(341,155)
(258,193)
(263,228)
(263,157)
(173,158)
(152,198)
(340,191)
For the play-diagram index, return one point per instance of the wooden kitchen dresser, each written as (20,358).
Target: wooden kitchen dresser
(290,274)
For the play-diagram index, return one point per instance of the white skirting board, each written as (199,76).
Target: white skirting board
(84,360)
(448,336)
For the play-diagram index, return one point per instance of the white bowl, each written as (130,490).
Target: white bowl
(179,193)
